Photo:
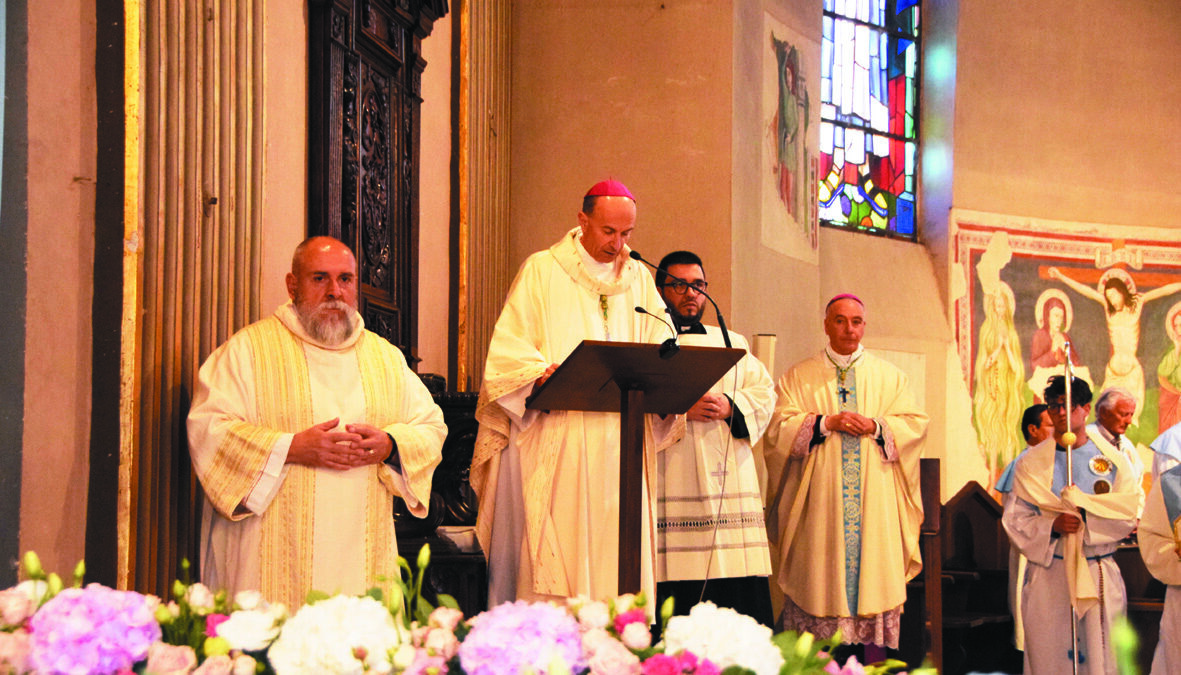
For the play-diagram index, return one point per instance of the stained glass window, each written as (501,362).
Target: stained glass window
(869,74)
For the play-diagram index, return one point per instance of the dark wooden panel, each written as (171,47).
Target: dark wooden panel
(365,76)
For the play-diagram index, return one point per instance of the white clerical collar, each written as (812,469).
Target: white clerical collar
(597,270)
(844,360)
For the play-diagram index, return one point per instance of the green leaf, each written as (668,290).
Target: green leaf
(315,596)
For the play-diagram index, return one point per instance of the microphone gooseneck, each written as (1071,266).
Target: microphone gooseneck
(669,347)
(635,255)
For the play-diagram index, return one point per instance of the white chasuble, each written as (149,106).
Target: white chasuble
(808,492)
(548,482)
(286,529)
(710,507)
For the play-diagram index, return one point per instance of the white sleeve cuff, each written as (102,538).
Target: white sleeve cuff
(267,485)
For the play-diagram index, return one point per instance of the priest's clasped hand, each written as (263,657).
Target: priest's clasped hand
(710,407)
(848,422)
(322,446)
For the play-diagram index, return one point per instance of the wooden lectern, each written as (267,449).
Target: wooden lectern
(632,379)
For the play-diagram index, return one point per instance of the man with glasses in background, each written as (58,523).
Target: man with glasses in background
(712,540)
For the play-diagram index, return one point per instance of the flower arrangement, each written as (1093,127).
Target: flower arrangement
(93,629)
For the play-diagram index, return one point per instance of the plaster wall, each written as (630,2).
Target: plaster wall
(1070,112)
(61,178)
(434,200)
(637,91)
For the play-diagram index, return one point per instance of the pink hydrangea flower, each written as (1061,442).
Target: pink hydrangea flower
(91,630)
(514,636)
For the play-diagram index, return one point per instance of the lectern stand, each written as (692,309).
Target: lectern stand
(632,379)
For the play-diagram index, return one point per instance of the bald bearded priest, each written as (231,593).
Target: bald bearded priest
(548,482)
(304,426)
(843,463)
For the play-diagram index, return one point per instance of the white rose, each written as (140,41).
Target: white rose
(200,598)
(247,599)
(594,615)
(404,656)
(624,602)
(249,630)
(636,636)
(34,590)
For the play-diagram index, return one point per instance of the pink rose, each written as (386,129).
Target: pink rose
(212,622)
(441,642)
(216,665)
(15,607)
(610,657)
(661,664)
(446,617)
(14,651)
(166,659)
(851,667)
(244,664)
(637,615)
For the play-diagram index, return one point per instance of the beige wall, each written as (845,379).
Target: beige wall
(434,199)
(61,178)
(634,91)
(1071,112)
(284,219)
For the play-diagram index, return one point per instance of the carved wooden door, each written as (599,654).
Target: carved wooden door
(364,95)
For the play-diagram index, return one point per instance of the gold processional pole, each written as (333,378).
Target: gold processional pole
(1068,439)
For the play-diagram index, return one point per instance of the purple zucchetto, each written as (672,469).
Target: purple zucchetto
(844,296)
(609,188)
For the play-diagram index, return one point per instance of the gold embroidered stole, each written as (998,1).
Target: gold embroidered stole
(283,391)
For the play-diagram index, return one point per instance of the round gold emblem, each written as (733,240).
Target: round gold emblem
(1100,466)
(1102,487)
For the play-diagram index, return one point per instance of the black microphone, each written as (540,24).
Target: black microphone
(635,255)
(669,347)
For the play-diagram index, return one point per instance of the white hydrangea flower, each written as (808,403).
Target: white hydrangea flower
(341,634)
(725,637)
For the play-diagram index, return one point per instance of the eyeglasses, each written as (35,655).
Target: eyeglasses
(680,287)
(1059,405)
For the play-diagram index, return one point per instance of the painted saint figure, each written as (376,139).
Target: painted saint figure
(1168,372)
(791,130)
(999,372)
(1047,350)
(1116,292)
